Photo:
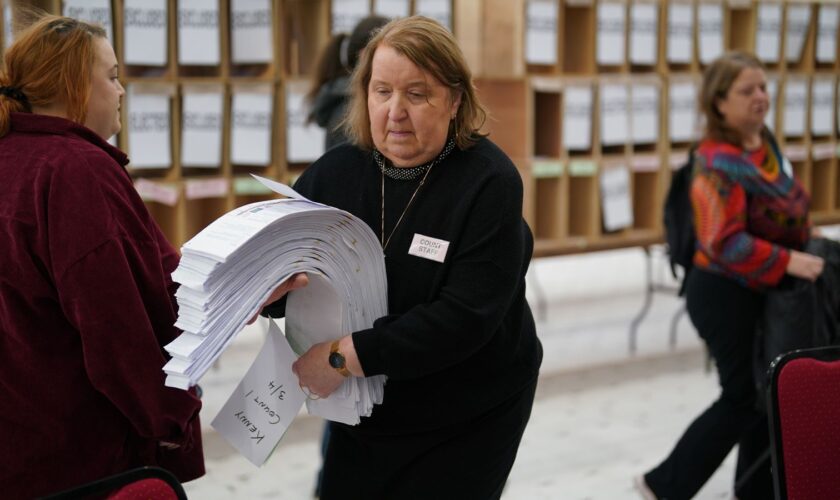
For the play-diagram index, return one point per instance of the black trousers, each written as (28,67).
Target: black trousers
(464,461)
(725,315)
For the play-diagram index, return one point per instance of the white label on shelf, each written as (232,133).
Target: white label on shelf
(304,142)
(251,114)
(827,33)
(645,113)
(201,129)
(645,163)
(392,8)
(610,38)
(8,33)
(251,33)
(680,42)
(439,10)
(768,31)
(577,118)
(682,111)
(710,31)
(155,191)
(796,152)
(616,206)
(798,21)
(198,32)
(677,159)
(92,11)
(145,28)
(347,13)
(822,106)
(823,151)
(148,129)
(796,102)
(615,119)
(195,189)
(541,32)
(644,26)
(772,92)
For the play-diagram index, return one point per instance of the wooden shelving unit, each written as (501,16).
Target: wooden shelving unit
(579,91)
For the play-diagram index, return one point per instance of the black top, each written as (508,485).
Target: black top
(459,338)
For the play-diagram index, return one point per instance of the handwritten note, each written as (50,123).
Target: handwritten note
(577,118)
(304,141)
(265,402)
(145,27)
(251,115)
(682,100)
(827,33)
(541,32)
(645,113)
(822,106)
(251,34)
(610,38)
(796,102)
(680,42)
(644,26)
(92,11)
(198,32)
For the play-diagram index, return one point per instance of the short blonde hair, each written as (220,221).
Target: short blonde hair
(717,80)
(50,62)
(432,48)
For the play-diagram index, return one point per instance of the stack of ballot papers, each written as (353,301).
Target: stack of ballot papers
(230,268)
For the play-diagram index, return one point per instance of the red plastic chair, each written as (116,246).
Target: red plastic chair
(804,408)
(144,483)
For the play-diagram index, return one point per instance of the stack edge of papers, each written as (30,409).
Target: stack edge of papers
(229,269)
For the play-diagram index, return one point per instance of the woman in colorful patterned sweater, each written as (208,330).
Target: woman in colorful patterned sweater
(751,220)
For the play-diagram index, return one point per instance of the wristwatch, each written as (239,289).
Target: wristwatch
(337,360)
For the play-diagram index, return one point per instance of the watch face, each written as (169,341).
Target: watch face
(336,360)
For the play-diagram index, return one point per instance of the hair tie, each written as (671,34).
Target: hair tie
(15,93)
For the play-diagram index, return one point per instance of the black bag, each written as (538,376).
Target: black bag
(678,218)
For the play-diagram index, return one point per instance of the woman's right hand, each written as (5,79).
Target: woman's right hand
(804,265)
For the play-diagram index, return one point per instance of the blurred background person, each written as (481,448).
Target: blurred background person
(752,223)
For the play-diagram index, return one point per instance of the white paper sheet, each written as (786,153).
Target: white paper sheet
(645,113)
(251,115)
(827,33)
(264,403)
(616,205)
(252,41)
(392,8)
(610,33)
(768,31)
(92,11)
(710,31)
(680,42)
(201,128)
(644,27)
(439,10)
(304,142)
(798,21)
(149,129)
(145,30)
(615,119)
(682,111)
(8,33)
(198,32)
(541,32)
(773,93)
(795,102)
(347,13)
(577,118)
(822,106)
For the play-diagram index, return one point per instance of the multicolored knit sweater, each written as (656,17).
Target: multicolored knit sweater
(749,212)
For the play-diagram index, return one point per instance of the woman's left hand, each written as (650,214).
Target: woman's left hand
(314,372)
